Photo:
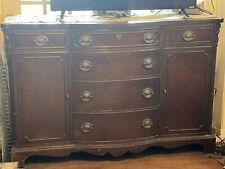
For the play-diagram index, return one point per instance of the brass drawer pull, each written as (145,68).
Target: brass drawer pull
(87,127)
(86,96)
(188,36)
(151,38)
(85,40)
(148,93)
(85,65)
(148,63)
(41,40)
(147,124)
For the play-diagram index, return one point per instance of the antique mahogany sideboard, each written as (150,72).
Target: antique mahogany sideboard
(113,87)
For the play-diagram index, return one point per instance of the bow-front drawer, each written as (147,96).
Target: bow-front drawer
(97,66)
(101,39)
(189,36)
(115,126)
(36,39)
(114,95)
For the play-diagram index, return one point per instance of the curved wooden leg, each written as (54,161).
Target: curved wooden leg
(209,146)
(20,158)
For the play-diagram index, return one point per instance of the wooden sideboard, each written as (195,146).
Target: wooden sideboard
(110,87)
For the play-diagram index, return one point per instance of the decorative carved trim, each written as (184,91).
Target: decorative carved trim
(8,44)
(218,26)
(185,130)
(115,148)
(26,138)
(5,120)
(112,144)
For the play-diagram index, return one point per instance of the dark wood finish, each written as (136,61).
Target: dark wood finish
(47,81)
(115,148)
(129,63)
(114,95)
(42,100)
(150,159)
(112,39)
(187,90)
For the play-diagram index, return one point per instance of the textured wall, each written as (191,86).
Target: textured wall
(10,7)
(219,102)
(219,108)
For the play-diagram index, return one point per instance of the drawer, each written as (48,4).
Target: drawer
(97,39)
(115,65)
(37,39)
(116,126)
(114,95)
(189,36)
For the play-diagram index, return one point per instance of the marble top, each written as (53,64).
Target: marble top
(89,18)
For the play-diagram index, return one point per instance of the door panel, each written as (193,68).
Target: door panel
(187,91)
(42,114)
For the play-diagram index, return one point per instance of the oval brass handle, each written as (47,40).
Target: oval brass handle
(148,93)
(148,63)
(87,127)
(147,124)
(85,40)
(151,38)
(188,36)
(85,65)
(86,96)
(41,40)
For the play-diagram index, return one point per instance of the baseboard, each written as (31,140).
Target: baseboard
(222,133)
(219,132)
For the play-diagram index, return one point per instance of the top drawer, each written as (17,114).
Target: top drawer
(39,39)
(84,40)
(189,36)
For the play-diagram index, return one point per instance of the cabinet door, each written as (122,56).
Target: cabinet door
(41,114)
(188,91)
